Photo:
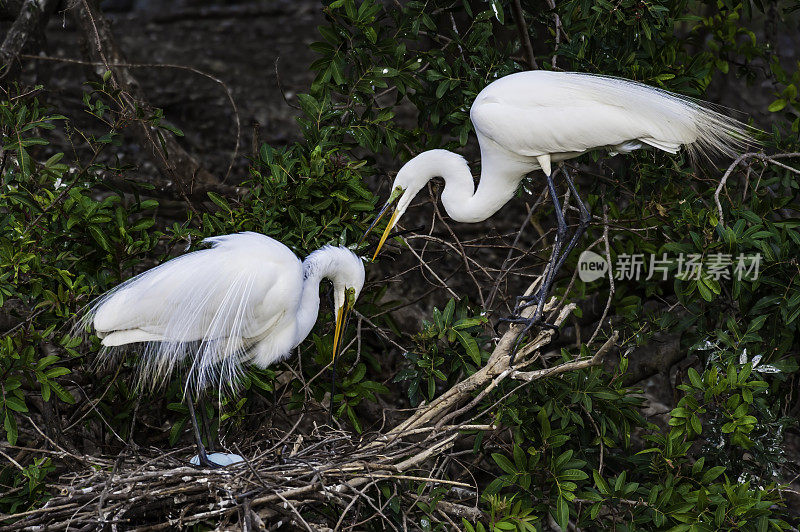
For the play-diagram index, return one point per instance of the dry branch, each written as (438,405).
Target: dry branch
(176,163)
(764,158)
(31,19)
(524,37)
(324,468)
(574,365)
(255,9)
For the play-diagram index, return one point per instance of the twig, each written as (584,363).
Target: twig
(568,366)
(425,265)
(612,288)
(764,158)
(524,37)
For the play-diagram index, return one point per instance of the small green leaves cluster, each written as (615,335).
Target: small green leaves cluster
(59,244)
(29,485)
(660,486)
(728,395)
(373,56)
(304,196)
(561,429)
(506,514)
(446,350)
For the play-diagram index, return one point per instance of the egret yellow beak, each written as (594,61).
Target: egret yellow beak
(393,198)
(341,325)
(341,321)
(385,234)
(338,330)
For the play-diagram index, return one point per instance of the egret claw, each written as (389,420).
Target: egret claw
(530,323)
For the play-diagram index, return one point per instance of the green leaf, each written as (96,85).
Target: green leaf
(175,431)
(573,474)
(470,345)
(504,463)
(447,316)
(695,379)
(696,426)
(219,200)
(10,424)
(777,105)
(466,323)
(710,475)
(562,513)
(100,238)
(601,484)
(62,393)
(15,403)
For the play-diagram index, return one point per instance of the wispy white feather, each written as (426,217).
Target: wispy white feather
(246,299)
(690,122)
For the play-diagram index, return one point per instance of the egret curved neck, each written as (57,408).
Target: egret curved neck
(307,312)
(498,183)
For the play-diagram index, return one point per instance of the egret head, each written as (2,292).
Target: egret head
(409,181)
(347,276)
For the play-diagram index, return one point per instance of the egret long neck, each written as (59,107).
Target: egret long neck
(313,272)
(499,181)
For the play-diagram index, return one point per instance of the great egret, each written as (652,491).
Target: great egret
(529,120)
(248,298)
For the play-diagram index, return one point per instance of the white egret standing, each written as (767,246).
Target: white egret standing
(247,299)
(529,120)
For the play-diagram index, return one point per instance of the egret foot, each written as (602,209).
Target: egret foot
(215,460)
(523,302)
(202,459)
(530,323)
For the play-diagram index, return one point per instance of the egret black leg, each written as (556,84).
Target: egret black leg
(333,388)
(583,223)
(201,450)
(557,259)
(541,296)
(206,424)
(523,302)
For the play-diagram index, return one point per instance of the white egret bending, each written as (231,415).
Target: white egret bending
(529,120)
(247,299)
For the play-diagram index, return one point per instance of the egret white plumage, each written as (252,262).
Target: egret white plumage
(529,120)
(247,299)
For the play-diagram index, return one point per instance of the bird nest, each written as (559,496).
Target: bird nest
(157,491)
(283,482)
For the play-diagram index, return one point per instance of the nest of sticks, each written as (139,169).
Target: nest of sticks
(300,475)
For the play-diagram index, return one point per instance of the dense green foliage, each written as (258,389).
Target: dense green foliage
(573,449)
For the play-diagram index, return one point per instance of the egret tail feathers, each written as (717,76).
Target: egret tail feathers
(684,120)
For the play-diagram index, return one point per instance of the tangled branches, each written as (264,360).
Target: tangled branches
(323,468)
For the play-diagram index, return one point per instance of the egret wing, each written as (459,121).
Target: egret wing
(210,306)
(540,112)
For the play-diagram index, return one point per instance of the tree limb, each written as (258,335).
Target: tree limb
(568,366)
(31,19)
(176,163)
(524,37)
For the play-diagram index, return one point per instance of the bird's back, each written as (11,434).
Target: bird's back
(209,306)
(541,112)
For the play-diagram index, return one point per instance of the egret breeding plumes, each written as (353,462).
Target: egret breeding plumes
(530,120)
(247,299)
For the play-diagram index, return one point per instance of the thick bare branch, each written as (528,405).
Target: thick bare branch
(524,36)
(31,19)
